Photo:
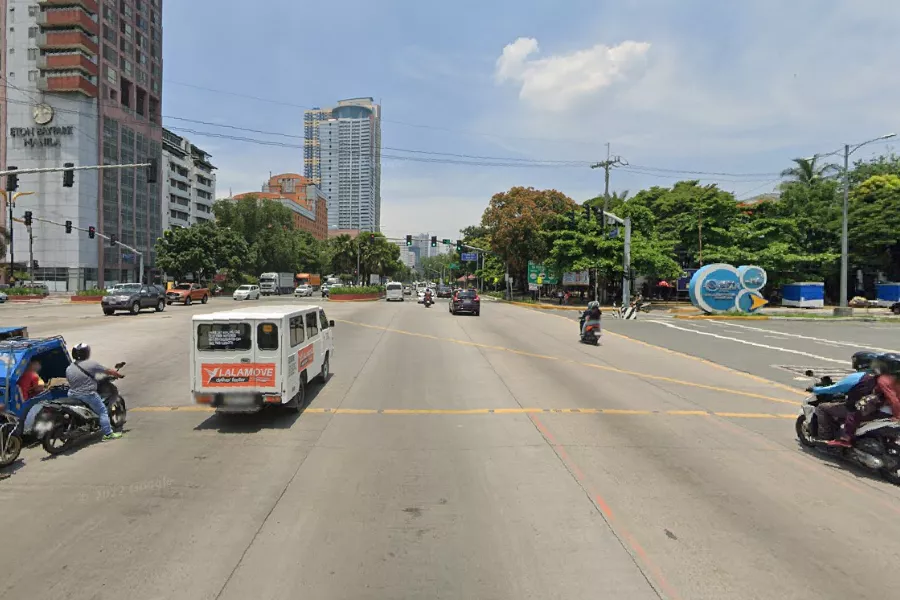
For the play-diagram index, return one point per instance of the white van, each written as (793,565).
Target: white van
(245,359)
(393,291)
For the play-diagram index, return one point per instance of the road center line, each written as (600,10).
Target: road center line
(495,411)
(647,376)
(749,343)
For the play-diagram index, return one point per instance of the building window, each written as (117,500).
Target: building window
(12,50)
(32,11)
(111,74)
(33,75)
(32,53)
(32,32)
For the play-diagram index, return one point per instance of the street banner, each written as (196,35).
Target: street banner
(577,278)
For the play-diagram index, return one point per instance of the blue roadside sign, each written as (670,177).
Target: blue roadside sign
(469,256)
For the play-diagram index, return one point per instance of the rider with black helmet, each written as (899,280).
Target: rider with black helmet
(855,386)
(82,378)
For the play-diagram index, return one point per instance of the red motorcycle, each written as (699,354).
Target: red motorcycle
(427,301)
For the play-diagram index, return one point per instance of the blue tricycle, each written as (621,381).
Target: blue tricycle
(17,351)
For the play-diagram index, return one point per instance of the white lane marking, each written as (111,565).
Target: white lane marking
(807,337)
(748,343)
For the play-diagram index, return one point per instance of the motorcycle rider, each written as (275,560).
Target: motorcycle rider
(82,378)
(592,313)
(886,368)
(428,296)
(854,386)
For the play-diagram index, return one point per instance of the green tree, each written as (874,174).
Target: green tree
(515,219)
(875,225)
(200,251)
(342,250)
(809,171)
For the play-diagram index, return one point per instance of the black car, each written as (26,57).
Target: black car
(466,301)
(444,291)
(134,297)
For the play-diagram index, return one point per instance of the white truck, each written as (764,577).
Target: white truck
(276,284)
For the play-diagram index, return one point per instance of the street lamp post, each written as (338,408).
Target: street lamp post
(842,308)
(11,204)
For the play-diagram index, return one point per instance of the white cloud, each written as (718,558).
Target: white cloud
(557,82)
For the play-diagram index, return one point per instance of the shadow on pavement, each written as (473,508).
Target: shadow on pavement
(271,417)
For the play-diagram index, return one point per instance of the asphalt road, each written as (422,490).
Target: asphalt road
(779,350)
(447,457)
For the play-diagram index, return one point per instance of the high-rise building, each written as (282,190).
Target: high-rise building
(342,151)
(82,83)
(188,180)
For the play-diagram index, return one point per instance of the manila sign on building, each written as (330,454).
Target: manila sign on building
(720,288)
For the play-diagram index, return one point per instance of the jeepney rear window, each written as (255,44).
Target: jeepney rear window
(267,336)
(224,336)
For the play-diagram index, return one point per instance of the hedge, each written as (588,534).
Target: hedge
(362,289)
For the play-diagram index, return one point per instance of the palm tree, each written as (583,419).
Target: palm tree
(806,172)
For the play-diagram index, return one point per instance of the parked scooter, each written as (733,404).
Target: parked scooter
(63,422)
(10,439)
(876,445)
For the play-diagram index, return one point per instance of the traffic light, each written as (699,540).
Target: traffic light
(68,175)
(602,220)
(459,246)
(12,180)
(409,240)
(27,218)
(572,216)
(153,170)
(68,226)
(35,265)
(434,241)
(113,239)
(372,238)
(92,232)
(587,212)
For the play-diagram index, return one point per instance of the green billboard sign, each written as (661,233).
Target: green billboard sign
(538,275)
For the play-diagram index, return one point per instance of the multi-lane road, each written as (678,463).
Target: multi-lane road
(459,457)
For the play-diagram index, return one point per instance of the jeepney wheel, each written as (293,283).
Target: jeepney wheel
(13,445)
(298,402)
(326,370)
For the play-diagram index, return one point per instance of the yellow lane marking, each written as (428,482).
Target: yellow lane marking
(782,386)
(492,411)
(592,365)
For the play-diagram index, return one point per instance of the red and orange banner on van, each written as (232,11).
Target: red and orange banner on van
(304,357)
(238,375)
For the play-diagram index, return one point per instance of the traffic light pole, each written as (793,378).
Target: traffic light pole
(86,168)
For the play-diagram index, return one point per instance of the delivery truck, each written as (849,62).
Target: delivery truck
(311,279)
(275,284)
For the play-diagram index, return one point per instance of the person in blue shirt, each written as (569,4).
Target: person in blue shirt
(853,386)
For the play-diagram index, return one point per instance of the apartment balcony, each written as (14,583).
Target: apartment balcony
(68,83)
(176,176)
(92,6)
(68,62)
(67,19)
(67,40)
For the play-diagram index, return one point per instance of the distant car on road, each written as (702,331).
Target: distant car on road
(246,292)
(444,291)
(304,289)
(393,291)
(3,298)
(187,294)
(466,301)
(407,290)
(134,297)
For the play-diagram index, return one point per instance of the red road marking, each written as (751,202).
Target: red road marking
(607,512)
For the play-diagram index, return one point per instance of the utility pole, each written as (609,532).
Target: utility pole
(700,236)
(606,165)
(30,254)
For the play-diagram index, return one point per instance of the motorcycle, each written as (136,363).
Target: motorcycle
(876,445)
(428,302)
(590,333)
(10,440)
(63,422)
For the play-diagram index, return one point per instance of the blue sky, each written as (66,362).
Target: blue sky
(673,85)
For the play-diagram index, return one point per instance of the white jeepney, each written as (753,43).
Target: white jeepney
(245,359)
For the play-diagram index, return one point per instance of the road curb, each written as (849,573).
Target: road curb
(541,306)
